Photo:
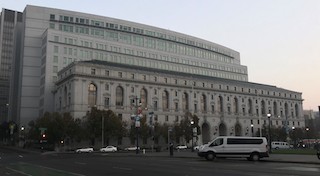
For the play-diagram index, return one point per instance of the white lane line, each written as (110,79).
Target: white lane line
(122,168)
(308,169)
(80,163)
(20,172)
(58,170)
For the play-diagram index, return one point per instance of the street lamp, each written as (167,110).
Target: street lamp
(192,122)
(252,130)
(102,128)
(293,136)
(269,131)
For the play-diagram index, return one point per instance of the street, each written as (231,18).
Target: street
(120,164)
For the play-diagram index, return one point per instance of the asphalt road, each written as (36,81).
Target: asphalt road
(97,164)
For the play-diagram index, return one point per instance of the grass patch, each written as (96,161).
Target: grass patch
(295,151)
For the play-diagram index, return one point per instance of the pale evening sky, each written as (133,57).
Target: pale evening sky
(279,40)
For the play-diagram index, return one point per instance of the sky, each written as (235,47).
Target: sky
(278,40)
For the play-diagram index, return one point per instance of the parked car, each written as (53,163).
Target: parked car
(132,148)
(181,147)
(279,145)
(109,148)
(85,150)
(196,147)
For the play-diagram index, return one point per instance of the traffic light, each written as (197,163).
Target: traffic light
(43,136)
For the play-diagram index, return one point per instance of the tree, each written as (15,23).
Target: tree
(58,127)
(113,126)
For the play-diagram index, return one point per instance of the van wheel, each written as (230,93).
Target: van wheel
(254,157)
(277,148)
(210,156)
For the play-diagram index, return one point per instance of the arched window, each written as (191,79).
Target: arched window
(165,100)
(65,96)
(185,101)
(143,97)
(203,103)
(119,96)
(275,108)
(235,105)
(92,95)
(263,107)
(220,104)
(286,110)
(250,106)
(296,108)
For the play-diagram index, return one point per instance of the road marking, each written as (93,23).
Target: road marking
(20,172)
(310,169)
(122,168)
(33,170)
(80,163)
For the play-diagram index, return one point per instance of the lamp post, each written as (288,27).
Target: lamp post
(293,137)
(252,130)
(192,122)
(137,117)
(269,131)
(102,131)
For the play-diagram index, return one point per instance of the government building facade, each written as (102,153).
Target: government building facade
(71,61)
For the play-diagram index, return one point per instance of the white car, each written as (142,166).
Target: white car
(196,148)
(109,148)
(85,150)
(131,148)
(181,147)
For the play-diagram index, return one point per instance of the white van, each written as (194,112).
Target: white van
(252,148)
(279,145)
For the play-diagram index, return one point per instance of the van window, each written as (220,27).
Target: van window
(244,141)
(217,142)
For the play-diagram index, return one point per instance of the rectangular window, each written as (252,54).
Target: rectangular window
(166,80)
(55,69)
(132,89)
(176,106)
(52,17)
(93,71)
(55,59)
(55,49)
(167,118)
(106,102)
(120,74)
(132,76)
(107,87)
(106,72)
(177,118)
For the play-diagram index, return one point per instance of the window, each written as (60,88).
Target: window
(55,69)
(55,49)
(155,91)
(132,76)
(56,38)
(52,17)
(244,141)
(106,72)
(92,95)
(119,96)
(107,87)
(93,71)
(144,77)
(106,102)
(55,59)
(167,118)
(132,89)
(176,106)
(120,74)
(166,80)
